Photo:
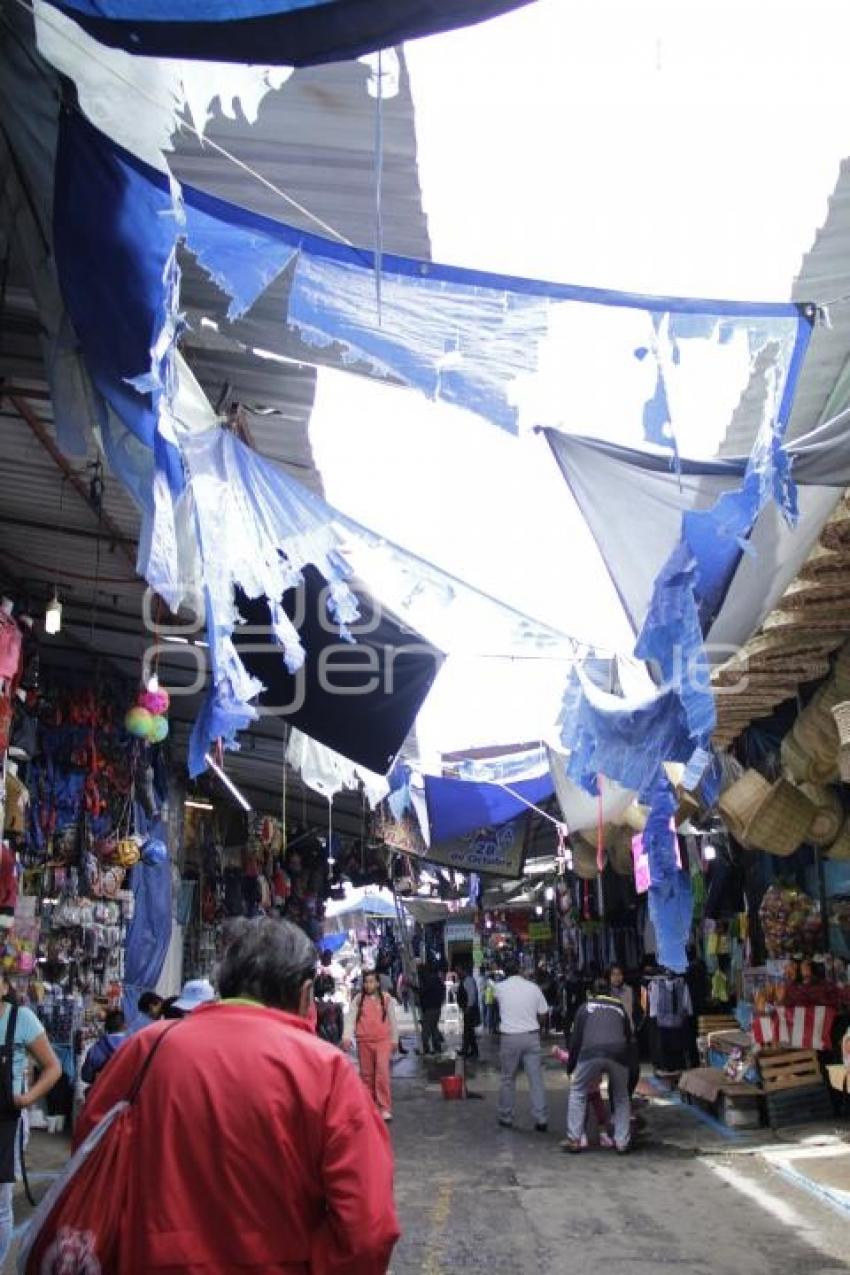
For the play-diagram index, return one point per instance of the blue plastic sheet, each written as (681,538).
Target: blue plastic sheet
(149,934)
(456,807)
(284,32)
(624,740)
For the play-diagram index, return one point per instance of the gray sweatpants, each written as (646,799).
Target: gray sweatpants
(522,1050)
(587,1074)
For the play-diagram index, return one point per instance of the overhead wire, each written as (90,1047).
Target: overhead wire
(184,123)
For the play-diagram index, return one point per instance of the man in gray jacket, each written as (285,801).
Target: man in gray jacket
(599,1045)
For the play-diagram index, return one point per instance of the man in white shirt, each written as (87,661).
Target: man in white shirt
(522,1013)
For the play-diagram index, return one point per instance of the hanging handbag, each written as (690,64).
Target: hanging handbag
(77,1228)
(9,1114)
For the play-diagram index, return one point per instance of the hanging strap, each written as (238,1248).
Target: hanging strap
(600,828)
(140,1079)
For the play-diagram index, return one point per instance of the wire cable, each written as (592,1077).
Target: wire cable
(183,123)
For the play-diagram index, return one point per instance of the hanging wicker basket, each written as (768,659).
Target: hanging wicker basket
(824,563)
(836,530)
(781,821)
(787,642)
(829,814)
(841,669)
(840,848)
(635,816)
(738,803)
(584,859)
(795,760)
(620,852)
(841,717)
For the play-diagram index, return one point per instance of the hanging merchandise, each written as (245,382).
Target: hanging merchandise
(790,921)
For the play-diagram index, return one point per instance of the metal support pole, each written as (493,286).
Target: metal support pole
(824,914)
(407,963)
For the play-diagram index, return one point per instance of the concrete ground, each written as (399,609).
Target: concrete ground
(473,1197)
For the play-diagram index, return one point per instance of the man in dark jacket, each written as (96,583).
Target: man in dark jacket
(431,994)
(599,1045)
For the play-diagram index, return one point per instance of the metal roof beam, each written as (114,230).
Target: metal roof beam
(24,410)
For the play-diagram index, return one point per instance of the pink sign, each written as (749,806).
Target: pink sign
(641,862)
(640,856)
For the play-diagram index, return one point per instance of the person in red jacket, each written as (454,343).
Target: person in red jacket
(256,1147)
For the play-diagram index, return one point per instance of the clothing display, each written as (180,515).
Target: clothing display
(670,1011)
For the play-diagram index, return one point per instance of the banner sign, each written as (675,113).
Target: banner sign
(498,852)
(539,931)
(640,855)
(460,932)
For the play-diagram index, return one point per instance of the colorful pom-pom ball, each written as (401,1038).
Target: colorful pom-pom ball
(138,722)
(158,731)
(155,702)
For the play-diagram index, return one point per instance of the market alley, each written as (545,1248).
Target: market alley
(476,1198)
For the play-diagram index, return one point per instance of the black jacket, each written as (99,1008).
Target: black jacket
(601,1030)
(431,991)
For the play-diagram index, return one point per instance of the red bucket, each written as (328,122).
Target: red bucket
(452,1087)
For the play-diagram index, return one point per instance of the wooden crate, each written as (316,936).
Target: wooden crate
(740,1110)
(799,1106)
(789,1069)
(709,1023)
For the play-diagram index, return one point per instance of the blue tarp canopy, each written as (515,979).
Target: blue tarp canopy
(280,32)
(457,807)
(369,906)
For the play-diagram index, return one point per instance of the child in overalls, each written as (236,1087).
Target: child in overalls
(372,1021)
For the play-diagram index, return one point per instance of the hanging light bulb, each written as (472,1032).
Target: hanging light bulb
(53,615)
(550,893)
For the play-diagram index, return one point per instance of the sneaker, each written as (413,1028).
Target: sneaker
(506,1124)
(605,1140)
(541,1127)
(571,1146)
(625,1149)
(387,1116)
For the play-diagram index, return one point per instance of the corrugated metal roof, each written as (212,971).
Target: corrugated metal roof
(315,139)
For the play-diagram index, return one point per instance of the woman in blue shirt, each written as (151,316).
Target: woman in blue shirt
(29,1044)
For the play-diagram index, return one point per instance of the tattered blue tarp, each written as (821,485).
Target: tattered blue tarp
(457,807)
(276,32)
(114,236)
(493,344)
(149,933)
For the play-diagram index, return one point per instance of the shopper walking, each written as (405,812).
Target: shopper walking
(599,1045)
(372,1021)
(431,993)
(114,1035)
(22,1040)
(621,991)
(197,992)
(267,1153)
(468,1004)
(149,1009)
(522,1013)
